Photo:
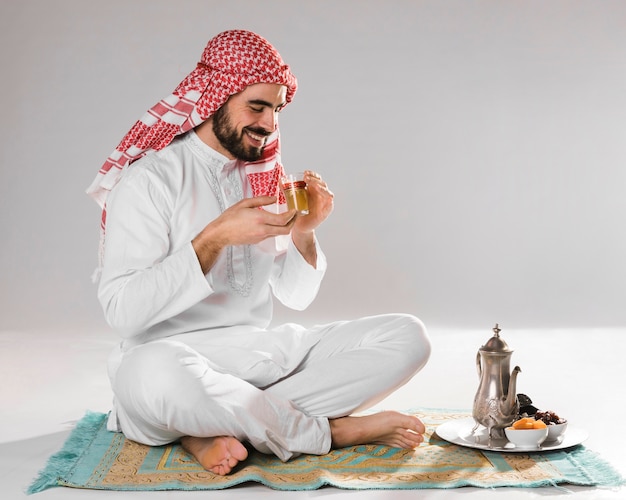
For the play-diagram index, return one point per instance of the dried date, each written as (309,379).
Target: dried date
(549,417)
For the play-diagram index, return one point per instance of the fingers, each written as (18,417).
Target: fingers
(272,219)
(246,223)
(277,224)
(321,197)
(315,181)
(258,201)
(286,219)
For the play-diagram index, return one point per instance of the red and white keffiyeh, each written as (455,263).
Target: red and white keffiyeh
(230,62)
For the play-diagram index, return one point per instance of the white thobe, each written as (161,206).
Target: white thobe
(197,357)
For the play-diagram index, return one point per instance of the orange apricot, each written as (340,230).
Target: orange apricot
(524,423)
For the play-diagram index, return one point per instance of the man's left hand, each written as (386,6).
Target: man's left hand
(320,203)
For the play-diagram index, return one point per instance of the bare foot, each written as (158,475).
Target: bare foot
(388,428)
(216,454)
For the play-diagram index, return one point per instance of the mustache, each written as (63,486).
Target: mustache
(259,131)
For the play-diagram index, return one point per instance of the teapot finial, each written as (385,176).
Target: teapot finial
(497,330)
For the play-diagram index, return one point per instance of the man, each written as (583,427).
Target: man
(196,240)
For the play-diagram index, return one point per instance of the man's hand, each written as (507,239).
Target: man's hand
(320,203)
(320,207)
(242,224)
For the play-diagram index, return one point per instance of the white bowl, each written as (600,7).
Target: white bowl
(526,438)
(556,431)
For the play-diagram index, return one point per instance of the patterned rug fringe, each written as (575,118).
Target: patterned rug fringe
(67,458)
(594,465)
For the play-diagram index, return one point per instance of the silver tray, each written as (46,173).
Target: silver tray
(459,431)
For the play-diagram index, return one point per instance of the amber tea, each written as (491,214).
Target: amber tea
(294,189)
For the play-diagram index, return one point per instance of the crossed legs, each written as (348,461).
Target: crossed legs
(354,365)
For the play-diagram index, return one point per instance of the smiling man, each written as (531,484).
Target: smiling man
(259,103)
(196,244)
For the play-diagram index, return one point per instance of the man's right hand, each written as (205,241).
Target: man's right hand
(244,223)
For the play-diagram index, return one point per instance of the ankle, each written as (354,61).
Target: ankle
(343,432)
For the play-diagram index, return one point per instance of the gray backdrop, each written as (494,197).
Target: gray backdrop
(476,148)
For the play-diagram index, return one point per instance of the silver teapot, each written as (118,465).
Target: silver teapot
(495,404)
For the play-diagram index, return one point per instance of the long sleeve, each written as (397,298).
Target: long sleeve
(296,282)
(144,281)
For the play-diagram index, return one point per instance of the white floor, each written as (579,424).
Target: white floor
(49,379)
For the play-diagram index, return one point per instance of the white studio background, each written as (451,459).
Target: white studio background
(476,149)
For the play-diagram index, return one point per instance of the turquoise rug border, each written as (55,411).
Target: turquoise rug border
(599,473)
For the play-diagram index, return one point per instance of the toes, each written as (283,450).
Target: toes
(222,469)
(411,439)
(218,469)
(416,425)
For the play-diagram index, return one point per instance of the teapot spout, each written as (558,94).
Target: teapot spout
(511,397)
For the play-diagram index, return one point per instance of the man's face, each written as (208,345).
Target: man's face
(243,124)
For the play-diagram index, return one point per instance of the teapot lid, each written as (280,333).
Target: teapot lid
(495,343)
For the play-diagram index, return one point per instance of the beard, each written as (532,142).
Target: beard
(232,140)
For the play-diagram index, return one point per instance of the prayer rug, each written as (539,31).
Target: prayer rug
(95,458)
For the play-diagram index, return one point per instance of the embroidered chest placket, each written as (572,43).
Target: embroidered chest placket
(233,190)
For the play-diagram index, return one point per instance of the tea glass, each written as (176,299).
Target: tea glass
(294,189)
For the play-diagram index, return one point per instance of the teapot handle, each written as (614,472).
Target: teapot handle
(479,367)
